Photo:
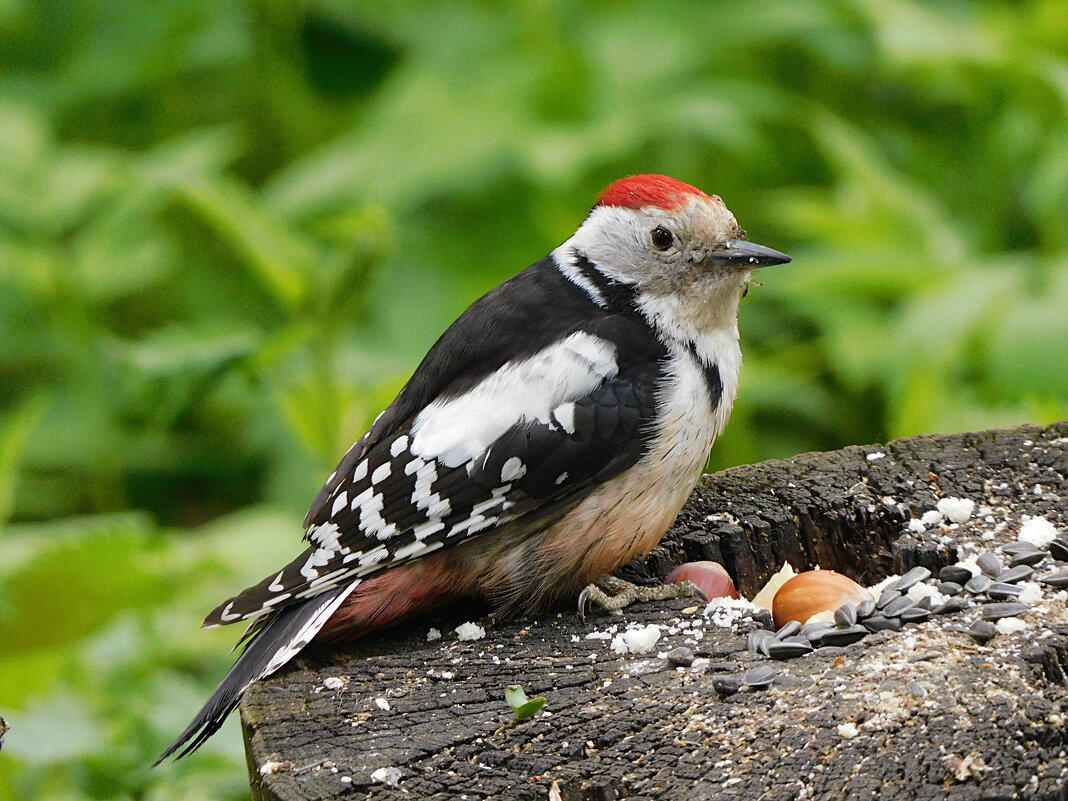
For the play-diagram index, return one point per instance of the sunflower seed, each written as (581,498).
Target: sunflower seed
(913,577)
(1000,591)
(952,606)
(955,573)
(978,584)
(990,565)
(726,684)
(916,689)
(814,631)
(881,623)
(1028,558)
(845,636)
(888,597)
(681,656)
(1018,573)
(915,614)
(760,676)
(1013,548)
(865,608)
(982,631)
(788,650)
(895,608)
(845,616)
(998,611)
(1058,549)
(789,629)
(1058,580)
(754,639)
(949,588)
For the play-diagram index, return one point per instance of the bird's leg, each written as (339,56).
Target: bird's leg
(613,594)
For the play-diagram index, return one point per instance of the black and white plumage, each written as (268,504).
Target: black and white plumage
(550,435)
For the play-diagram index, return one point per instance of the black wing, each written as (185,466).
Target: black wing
(389,502)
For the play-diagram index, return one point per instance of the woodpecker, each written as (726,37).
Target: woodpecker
(551,435)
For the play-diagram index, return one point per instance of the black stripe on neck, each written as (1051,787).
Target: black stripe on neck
(619,297)
(713,382)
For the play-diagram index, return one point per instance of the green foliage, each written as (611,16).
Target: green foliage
(523,707)
(228,232)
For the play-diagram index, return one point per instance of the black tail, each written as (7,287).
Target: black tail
(277,641)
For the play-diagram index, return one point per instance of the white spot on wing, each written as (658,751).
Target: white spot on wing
(316,559)
(398,446)
(360,471)
(513,469)
(408,550)
(565,416)
(381,473)
(339,503)
(226,615)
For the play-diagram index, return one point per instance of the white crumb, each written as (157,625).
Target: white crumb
(725,612)
(916,526)
(469,631)
(931,518)
(382,704)
(640,640)
(876,589)
(1038,531)
(917,592)
(388,776)
(334,683)
(1031,594)
(847,730)
(871,457)
(270,768)
(432,635)
(1011,625)
(956,509)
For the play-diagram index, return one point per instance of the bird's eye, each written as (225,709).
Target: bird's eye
(662,238)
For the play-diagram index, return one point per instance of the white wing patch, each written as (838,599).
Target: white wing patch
(457,430)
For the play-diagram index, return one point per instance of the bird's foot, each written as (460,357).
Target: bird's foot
(613,594)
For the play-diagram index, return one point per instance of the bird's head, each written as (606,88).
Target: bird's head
(667,237)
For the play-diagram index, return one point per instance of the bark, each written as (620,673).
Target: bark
(992,724)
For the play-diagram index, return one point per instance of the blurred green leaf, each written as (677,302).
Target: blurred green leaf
(229,232)
(15,429)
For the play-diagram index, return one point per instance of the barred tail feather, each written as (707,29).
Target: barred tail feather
(275,643)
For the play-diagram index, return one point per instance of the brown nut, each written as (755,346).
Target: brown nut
(812,592)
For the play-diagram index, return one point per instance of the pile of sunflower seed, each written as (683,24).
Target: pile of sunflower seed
(995,588)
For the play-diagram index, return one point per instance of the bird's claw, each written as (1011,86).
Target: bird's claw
(583,599)
(613,594)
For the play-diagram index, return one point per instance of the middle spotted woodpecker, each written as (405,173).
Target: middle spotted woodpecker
(550,435)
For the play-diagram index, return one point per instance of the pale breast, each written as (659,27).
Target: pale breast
(628,515)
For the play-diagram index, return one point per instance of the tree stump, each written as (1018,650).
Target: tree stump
(924,712)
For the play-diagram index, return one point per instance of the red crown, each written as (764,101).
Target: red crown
(638,191)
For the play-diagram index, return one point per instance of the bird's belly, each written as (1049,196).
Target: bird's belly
(628,515)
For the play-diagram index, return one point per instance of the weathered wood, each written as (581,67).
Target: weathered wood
(992,725)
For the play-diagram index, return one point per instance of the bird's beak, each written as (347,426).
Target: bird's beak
(739,253)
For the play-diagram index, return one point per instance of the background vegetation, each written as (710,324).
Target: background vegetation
(228,232)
